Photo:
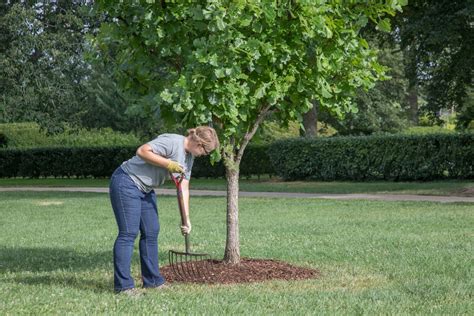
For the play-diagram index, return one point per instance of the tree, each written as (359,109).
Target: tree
(438,41)
(232,63)
(382,108)
(41,65)
(44,75)
(465,119)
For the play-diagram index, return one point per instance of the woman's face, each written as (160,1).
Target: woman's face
(196,149)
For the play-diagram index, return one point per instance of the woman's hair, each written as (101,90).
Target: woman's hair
(205,136)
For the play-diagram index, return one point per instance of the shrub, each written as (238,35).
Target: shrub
(99,162)
(29,135)
(426,157)
(398,157)
(3,140)
(94,162)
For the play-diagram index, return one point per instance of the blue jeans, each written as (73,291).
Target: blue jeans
(134,211)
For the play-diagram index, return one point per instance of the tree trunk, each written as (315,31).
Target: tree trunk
(310,121)
(232,247)
(232,159)
(412,99)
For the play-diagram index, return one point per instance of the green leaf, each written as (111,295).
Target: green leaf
(197,13)
(220,73)
(220,23)
(257,27)
(166,96)
(325,92)
(384,25)
(300,86)
(260,92)
(215,157)
(364,43)
(362,21)
(246,21)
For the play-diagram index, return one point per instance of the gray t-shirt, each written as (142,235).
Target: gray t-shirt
(147,176)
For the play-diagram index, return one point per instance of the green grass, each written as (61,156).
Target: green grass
(265,184)
(375,257)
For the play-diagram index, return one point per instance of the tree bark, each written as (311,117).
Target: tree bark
(310,122)
(232,247)
(232,161)
(412,99)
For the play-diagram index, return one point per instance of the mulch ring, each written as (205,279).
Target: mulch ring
(249,270)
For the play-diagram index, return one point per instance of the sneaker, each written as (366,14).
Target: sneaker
(131,292)
(164,286)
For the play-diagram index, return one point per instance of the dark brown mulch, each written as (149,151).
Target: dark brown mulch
(249,270)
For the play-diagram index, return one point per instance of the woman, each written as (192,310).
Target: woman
(134,201)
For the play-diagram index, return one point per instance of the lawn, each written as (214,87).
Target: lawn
(375,257)
(265,184)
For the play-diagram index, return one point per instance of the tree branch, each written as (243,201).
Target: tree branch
(248,136)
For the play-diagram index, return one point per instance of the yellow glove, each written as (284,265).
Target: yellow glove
(174,167)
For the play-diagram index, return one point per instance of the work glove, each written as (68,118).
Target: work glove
(186,229)
(174,167)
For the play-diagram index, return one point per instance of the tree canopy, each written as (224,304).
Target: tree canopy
(46,75)
(382,109)
(228,61)
(438,39)
(41,65)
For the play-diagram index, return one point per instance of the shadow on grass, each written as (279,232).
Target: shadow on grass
(51,259)
(77,282)
(56,266)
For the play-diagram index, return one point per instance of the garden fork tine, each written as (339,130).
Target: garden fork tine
(184,263)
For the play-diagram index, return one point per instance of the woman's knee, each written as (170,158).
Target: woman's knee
(127,235)
(150,233)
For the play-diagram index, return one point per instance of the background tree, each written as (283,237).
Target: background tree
(41,65)
(438,40)
(385,107)
(49,73)
(231,63)
(466,113)
(108,105)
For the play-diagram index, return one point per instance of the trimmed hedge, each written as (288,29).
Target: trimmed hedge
(97,162)
(100,162)
(399,158)
(3,140)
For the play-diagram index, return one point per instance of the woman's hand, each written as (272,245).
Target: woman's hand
(174,167)
(186,229)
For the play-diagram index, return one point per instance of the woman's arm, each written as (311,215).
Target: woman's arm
(146,153)
(185,189)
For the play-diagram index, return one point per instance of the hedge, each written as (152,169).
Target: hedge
(100,162)
(94,162)
(399,158)
(3,140)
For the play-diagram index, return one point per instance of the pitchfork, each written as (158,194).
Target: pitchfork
(185,264)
